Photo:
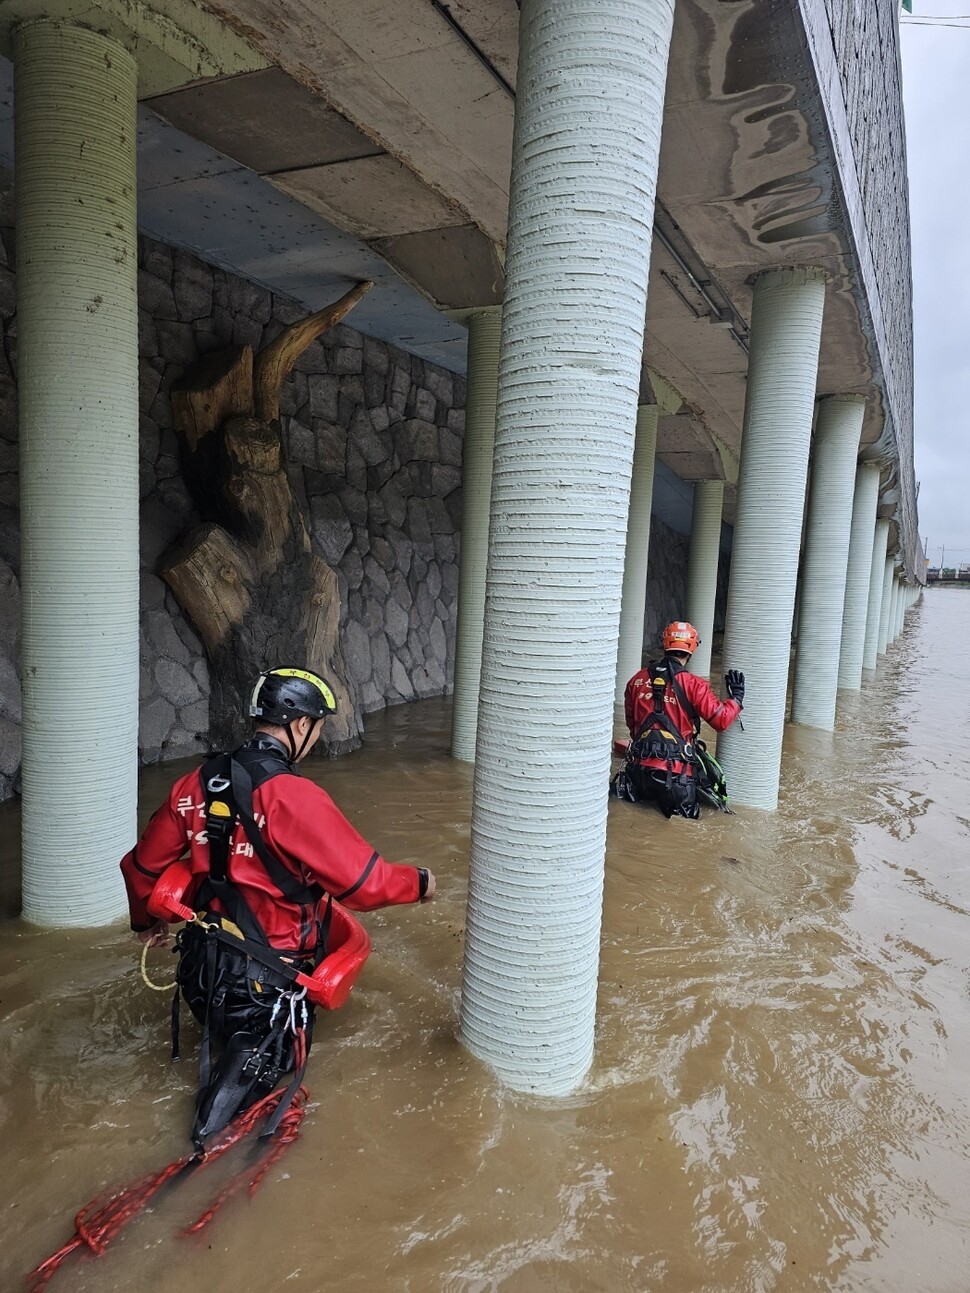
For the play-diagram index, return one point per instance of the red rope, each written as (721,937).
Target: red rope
(101,1220)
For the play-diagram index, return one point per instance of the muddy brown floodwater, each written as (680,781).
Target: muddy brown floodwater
(780,1098)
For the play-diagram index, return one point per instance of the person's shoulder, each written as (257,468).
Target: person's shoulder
(694,684)
(291,788)
(187,784)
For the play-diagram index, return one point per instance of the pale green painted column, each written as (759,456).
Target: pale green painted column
(630,649)
(894,611)
(78,398)
(854,612)
(885,609)
(786,326)
(588,115)
(702,567)
(823,579)
(484,337)
(876,581)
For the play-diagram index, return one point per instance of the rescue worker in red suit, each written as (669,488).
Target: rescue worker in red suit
(664,705)
(281,849)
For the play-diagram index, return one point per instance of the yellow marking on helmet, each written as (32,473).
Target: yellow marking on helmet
(307,676)
(218,809)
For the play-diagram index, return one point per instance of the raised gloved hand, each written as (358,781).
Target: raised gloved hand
(734,682)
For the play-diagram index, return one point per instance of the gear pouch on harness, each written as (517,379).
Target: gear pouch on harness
(658,742)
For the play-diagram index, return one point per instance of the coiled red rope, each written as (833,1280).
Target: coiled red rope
(101,1220)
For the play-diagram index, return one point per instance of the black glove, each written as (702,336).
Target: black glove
(734,681)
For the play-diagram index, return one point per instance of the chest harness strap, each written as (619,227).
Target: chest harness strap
(659,737)
(228,783)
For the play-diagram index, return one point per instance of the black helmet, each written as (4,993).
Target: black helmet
(281,695)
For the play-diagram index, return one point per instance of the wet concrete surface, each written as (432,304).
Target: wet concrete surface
(779,1099)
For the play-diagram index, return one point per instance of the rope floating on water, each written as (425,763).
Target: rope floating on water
(101,1220)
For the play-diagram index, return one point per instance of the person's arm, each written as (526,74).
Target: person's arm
(162,843)
(719,713)
(305,824)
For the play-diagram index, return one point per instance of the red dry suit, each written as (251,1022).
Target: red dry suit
(639,704)
(304,829)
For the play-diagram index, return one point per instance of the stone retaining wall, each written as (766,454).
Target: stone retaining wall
(374,443)
(667,585)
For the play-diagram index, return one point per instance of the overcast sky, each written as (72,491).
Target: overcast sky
(936,82)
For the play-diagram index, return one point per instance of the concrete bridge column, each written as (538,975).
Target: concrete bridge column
(786,325)
(822,591)
(885,609)
(876,582)
(856,606)
(901,607)
(78,355)
(894,611)
(484,336)
(589,108)
(702,568)
(630,649)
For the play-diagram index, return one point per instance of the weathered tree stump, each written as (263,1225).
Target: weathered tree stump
(247,577)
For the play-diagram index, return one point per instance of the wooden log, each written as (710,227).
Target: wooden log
(247,577)
(218,387)
(274,362)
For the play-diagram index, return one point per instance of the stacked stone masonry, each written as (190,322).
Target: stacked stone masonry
(374,444)
(667,586)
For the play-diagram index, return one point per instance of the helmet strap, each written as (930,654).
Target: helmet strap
(298,753)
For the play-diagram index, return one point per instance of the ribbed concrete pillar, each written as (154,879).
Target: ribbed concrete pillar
(876,580)
(885,610)
(857,575)
(786,326)
(589,105)
(484,336)
(823,579)
(78,398)
(901,607)
(894,611)
(630,649)
(702,567)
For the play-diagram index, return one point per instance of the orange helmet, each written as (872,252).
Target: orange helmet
(681,636)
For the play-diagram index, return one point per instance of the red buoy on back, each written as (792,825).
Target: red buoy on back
(166,900)
(349,947)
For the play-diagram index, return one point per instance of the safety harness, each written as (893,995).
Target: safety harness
(659,738)
(241,989)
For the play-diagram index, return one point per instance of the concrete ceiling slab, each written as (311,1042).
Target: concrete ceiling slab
(685,445)
(167,157)
(372,197)
(494,27)
(193,197)
(458,267)
(385,67)
(266,120)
